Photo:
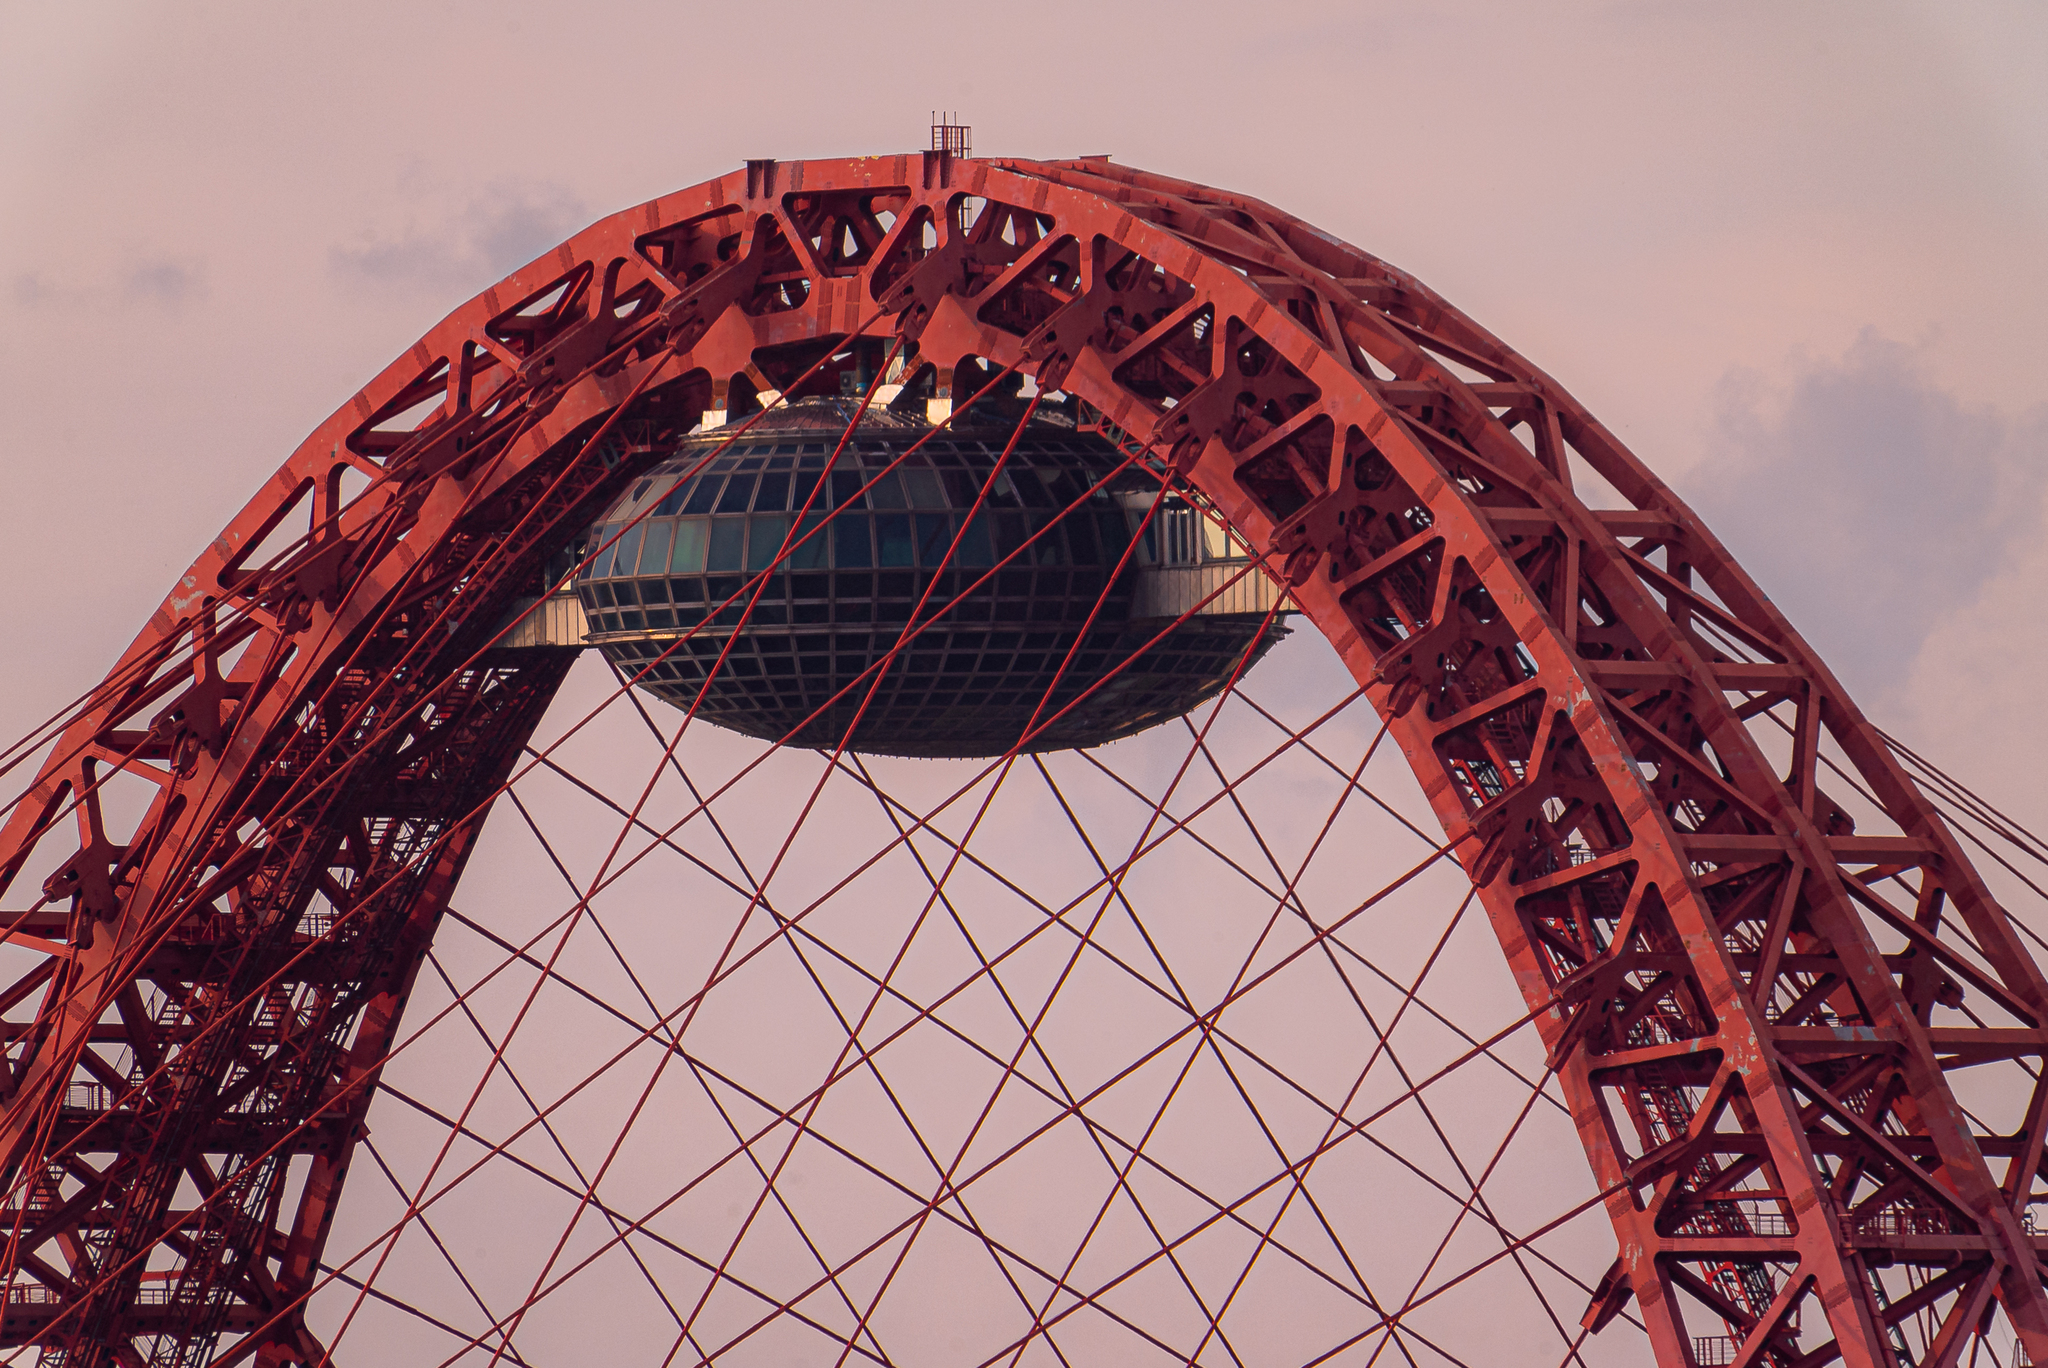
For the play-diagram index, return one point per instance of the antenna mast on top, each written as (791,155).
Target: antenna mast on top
(949,136)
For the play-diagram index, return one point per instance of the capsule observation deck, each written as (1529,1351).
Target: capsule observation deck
(1005,649)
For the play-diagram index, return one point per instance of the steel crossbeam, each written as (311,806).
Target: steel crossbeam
(1752,992)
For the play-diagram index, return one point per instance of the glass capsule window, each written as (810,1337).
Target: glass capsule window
(740,521)
(857,549)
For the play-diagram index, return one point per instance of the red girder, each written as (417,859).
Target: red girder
(1588,697)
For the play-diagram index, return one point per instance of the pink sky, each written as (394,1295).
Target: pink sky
(220,220)
(1791,254)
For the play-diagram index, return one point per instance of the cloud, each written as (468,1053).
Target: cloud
(497,231)
(1871,503)
(157,281)
(29,288)
(1970,699)
(162,281)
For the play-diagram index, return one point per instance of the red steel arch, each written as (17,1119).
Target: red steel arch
(1753,1026)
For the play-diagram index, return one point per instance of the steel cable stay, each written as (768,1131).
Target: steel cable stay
(778,857)
(87,800)
(138,668)
(755,898)
(1481,1050)
(1474,1054)
(901,1112)
(663,837)
(568,929)
(646,999)
(570,732)
(1409,995)
(1380,1034)
(938,885)
(1382,1041)
(1030,1029)
(440,1247)
(1355,1127)
(1365,962)
(1017,1053)
(87,792)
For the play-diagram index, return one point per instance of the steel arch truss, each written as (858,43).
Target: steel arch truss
(1755,1008)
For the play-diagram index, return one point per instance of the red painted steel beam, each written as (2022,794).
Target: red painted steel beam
(1584,695)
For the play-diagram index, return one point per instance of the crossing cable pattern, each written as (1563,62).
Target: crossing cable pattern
(1752,987)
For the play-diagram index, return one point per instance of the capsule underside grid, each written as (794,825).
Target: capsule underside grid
(972,682)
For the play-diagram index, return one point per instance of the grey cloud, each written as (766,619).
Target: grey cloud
(511,225)
(1867,500)
(162,281)
(159,281)
(407,258)
(497,231)
(29,288)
